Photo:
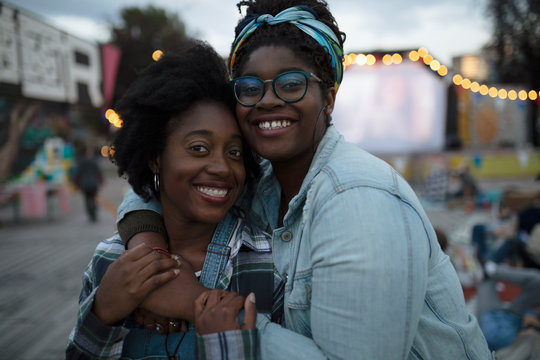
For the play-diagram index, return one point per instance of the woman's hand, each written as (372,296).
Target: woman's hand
(176,298)
(129,280)
(217,311)
(159,324)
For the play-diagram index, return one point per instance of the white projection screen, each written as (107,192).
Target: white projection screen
(389,110)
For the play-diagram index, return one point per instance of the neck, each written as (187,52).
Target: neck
(189,239)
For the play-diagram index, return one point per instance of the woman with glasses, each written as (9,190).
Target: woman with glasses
(365,276)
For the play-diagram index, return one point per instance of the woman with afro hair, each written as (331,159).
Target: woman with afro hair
(365,275)
(180,144)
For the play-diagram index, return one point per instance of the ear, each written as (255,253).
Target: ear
(154,165)
(330,100)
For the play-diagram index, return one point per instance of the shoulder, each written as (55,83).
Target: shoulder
(109,249)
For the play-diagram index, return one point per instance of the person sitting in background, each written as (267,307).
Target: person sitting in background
(500,322)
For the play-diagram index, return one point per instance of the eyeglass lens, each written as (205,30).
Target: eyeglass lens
(289,87)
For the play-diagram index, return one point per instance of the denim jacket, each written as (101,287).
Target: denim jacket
(365,276)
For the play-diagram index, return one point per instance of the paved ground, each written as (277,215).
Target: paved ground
(40,274)
(43,260)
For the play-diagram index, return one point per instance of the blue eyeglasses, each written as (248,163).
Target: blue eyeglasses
(290,86)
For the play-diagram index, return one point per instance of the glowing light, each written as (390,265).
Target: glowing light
(108,113)
(475,87)
(532,95)
(387,59)
(361,59)
(466,83)
(428,59)
(522,95)
(484,89)
(156,55)
(435,65)
(104,151)
(443,70)
(370,59)
(493,91)
(422,52)
(397,59)
(414,56)
(503,94)
(512,95)
(457,79)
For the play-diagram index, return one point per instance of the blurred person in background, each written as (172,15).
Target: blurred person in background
(88,178)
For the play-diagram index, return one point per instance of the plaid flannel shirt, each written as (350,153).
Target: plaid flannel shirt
(250,259)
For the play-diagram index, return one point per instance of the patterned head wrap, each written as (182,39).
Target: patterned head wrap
(304,18)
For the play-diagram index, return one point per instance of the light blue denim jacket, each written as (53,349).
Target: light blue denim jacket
(365,276)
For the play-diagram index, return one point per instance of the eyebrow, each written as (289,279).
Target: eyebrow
(209,132)
(281,71)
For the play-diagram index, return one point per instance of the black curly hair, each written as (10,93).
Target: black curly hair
(288,35)
(192,74)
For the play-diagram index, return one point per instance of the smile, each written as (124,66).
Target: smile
(273,125)
(212,191)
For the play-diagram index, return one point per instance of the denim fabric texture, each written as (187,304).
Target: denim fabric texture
(365,276)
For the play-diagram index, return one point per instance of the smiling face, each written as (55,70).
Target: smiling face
(277,130)
(201,169)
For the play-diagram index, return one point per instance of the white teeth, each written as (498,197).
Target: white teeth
(216,192)
(275,124)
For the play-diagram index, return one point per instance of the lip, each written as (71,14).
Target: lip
(217,185)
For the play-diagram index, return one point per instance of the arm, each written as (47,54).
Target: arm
(369,275)
(140,222)
(105,302)
(90,338)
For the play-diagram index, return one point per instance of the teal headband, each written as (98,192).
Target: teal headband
(304,18)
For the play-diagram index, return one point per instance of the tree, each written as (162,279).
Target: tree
(516,45)
(141,32)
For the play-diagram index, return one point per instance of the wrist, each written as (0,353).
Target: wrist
(190,311)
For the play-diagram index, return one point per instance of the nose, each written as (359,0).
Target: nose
(269,99)
(218,165)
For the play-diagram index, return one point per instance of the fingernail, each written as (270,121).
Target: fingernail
(251,297)
(176,272)
(175,257)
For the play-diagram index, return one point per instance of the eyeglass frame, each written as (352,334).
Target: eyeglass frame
(306,74)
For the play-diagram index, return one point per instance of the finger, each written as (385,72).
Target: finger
(215,297)
(250,312)
(137,252)
(200,303)
(157,280)
(157,266)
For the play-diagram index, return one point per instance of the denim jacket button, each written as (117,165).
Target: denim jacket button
(286,236)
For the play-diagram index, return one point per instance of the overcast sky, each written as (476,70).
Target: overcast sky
(446,28)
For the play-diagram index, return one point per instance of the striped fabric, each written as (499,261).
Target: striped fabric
(304,18)
(250,259)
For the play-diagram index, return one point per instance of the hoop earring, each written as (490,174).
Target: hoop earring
(156,182)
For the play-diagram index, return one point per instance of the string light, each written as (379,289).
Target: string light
(113,118)
(422,54)
(156,55)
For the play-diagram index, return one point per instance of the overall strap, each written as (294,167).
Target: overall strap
(218,250)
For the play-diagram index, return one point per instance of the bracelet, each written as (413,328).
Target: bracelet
(162,251)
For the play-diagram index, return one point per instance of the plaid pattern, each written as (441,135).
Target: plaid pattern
(228,345)
(250,252)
